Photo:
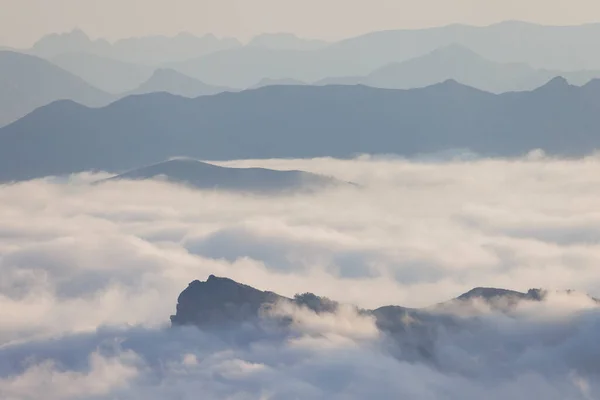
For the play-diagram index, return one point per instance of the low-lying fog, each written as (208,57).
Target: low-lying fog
(89,275)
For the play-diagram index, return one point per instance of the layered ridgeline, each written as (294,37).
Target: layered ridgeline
(28,82)
(300,121)
(148,50)
(464,66)
(223,303)
(542,50)
(111,75)
(541,47)
(171,81)
(201,175)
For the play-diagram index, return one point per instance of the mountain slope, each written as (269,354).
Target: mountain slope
(208,176)
(465,66)
(108,74)
(170,81)
(461,64)
(301,121)
(28,82)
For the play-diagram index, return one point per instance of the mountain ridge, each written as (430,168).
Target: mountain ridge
(173,82)
(301,122)
(28,82)
(220,300)
(202,175)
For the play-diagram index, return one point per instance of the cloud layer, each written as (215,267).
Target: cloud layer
(90,274)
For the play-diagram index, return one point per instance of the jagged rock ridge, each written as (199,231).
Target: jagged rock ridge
(220,300)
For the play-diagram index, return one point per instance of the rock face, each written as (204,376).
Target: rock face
(222,301)
(222,305)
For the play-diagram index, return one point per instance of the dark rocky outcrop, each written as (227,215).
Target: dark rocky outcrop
(412,334)
(220,301)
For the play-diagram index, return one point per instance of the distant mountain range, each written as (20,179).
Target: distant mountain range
(28,82)
(301,121)
(510,56)
(465,66)
(274,82)
(203,175)
(286,41)
(541,47)
(567,48)
(149,50)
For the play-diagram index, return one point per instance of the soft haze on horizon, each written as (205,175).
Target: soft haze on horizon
(23,22)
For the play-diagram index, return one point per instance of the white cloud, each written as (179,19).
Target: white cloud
(90,274)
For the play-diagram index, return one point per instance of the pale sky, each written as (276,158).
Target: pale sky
(24,21)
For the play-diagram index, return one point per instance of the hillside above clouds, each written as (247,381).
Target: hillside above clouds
(221,302)
(203,175)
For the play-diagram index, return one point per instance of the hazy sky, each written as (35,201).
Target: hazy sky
(24,21)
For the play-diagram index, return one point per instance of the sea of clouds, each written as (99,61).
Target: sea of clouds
(89,275)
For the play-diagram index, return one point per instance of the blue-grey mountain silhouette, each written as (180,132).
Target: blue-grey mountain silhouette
(28,82)
(149,50)
(108,74)
(272,82)
(541,47)
(465,66)
(301,121)
(203,175)
(286,41)
(171,81)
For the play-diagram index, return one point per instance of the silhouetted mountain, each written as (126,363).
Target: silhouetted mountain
(28,82)
(208,176)
(286,41)
(463,65)
(108,74)
(171,81)
(273,82)
(301,121)
(223,68)
(158,50)
(552,48)
(69,42)
(150,50)
(220,301)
